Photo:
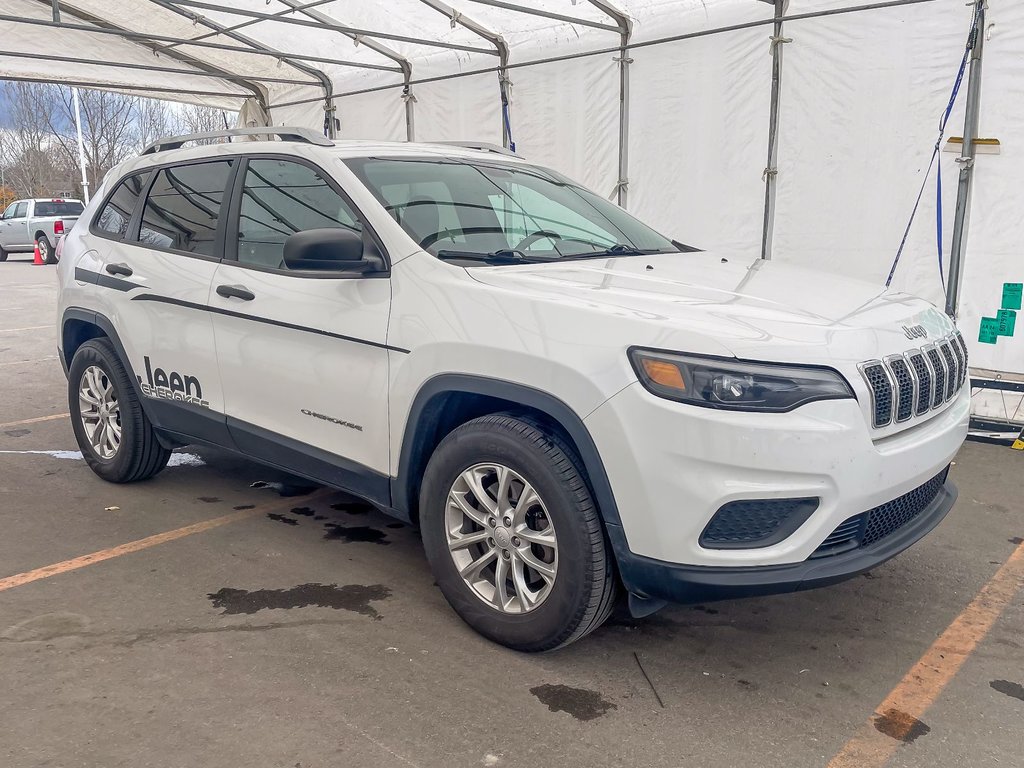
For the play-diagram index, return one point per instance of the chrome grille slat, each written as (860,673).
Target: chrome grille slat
(960,344)
(951,375)
(910,384)
(939,368)
(882,391)
(904,387)
(919,365)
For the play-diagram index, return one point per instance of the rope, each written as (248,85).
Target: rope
(972,39)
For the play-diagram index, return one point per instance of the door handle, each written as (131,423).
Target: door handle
(235,292)
(119,269)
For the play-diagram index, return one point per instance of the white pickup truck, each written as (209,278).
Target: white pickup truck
(28,223)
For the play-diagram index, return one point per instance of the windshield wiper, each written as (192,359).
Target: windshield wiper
(504,256)
(615,250)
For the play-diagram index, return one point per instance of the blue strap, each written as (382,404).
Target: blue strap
(971,41)
(508,125)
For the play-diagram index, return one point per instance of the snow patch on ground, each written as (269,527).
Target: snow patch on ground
(185,460)
(176,460)
(75,455)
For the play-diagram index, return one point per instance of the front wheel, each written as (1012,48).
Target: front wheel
(116,438)
(513,537)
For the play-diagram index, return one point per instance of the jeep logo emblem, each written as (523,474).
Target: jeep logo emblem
(915,332)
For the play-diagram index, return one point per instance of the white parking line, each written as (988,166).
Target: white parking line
(30,328)
(23,362)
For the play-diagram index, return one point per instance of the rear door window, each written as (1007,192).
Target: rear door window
(20,211)
(183,208)
(117,212)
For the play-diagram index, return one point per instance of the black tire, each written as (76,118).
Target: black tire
(583,593)
(139,455)
(3,255)
(45,250)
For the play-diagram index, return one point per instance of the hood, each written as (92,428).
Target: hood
(743,305)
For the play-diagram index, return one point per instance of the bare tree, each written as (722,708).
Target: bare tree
(109,128)
(39,147)
(34,164)
(197,119)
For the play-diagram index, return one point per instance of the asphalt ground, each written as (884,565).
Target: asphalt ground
(240,627)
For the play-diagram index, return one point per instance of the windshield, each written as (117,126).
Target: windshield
(501,212)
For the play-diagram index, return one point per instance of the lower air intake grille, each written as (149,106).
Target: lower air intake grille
(876,524)
(753,523)
(889,518)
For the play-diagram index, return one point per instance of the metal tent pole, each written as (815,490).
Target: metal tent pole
(625,27)
(81,145)
(771,170)
(966,161)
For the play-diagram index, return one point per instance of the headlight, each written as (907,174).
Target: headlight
(735,385)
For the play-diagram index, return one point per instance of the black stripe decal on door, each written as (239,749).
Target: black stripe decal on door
(266,320)
(104,281)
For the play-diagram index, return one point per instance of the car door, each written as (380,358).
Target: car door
(303,355)
(14,232)
(161,236)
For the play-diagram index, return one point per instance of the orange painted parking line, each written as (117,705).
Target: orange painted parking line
(899,715)
(46,571)
(36,420)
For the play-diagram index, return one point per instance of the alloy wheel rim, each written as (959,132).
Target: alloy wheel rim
(100,412)
(501,538)
(44,249)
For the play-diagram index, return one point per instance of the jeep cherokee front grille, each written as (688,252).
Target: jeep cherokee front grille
(911,384)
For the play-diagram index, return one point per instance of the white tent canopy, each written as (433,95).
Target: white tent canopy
(665,105)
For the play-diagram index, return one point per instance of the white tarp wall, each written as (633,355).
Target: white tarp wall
(862,91)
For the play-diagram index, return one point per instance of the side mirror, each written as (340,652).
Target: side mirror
(324,249)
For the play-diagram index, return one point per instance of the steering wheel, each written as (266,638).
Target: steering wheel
(533,237)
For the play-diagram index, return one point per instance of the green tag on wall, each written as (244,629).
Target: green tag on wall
(1007,320)
(989,332)
(1011,295)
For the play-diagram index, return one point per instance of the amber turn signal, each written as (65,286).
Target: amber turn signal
(664,373)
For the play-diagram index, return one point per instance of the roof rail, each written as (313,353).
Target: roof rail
(482,146)
(303,135)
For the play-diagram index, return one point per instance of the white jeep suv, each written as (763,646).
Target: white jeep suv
(564,401)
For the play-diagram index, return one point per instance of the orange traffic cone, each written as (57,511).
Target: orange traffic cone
(37,258)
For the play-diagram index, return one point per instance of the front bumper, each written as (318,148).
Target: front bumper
(658,580)
(672,466)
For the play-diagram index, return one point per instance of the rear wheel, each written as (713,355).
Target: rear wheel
(116,438)
(45,251)
(513,536)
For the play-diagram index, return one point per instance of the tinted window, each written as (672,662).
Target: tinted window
(280,198)
(9,213)
(61,208)
(116,214)
(183,207)
(19,212)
